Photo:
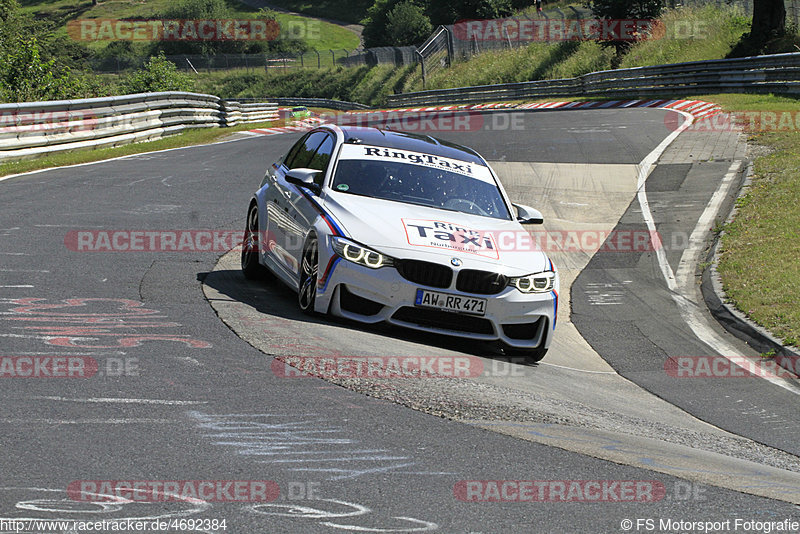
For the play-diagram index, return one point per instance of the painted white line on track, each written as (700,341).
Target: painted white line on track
(122,401)
(579,370)
(682,288)
(128,421)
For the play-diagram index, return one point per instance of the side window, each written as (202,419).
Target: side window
(290,157)
(302,156)
(321,158)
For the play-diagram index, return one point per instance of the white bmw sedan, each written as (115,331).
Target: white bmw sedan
(383,226)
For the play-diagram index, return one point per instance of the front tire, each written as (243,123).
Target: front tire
(309,267)
(251,249)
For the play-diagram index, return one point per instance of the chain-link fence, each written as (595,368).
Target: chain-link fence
(435,53)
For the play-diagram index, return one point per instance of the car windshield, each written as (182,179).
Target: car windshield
(417,184)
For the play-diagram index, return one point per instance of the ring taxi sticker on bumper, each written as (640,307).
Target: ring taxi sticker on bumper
(450,236)
(449,302)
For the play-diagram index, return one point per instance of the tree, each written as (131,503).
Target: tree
(625,10)
(450,11)
(407,24)
(158,74)
(25,77)
(375,33)
(769,20)
(769,24)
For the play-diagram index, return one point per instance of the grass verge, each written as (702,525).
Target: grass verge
(322,36)
(760,253)
(688,36)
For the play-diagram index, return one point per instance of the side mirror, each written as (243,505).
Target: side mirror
(304,178)
(528,215)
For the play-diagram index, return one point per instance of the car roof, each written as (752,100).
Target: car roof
(410,141)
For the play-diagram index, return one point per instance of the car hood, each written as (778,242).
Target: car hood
(407,231)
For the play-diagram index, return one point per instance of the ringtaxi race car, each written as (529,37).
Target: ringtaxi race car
(375,225)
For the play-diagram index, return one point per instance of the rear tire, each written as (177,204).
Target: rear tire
(251,248)
(309,267)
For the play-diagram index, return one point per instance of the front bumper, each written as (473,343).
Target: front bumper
(524,321)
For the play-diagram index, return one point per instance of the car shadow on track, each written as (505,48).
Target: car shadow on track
(273,298)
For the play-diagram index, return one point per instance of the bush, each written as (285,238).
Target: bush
(625,10)
(406,24)
(219,9)
(158,74)
(26,77)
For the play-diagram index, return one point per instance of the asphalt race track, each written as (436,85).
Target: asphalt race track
(183,385)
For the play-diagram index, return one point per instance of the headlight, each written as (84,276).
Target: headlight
(360,255)
(535,283)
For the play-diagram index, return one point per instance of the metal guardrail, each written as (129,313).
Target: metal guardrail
(778,73)
(338,105)
(30,129)
(33,128)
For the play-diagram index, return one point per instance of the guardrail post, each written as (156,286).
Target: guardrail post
(450,48)
(421,62)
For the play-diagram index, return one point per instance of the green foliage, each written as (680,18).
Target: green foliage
(450,11)
(219,9)
(375,23)
(625,10)
(26,77)
(158,74)
(406,24)
(346,10)
(379,28)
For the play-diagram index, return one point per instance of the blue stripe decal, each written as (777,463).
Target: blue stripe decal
(327,217)
(555,308)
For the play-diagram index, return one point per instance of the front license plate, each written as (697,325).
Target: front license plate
(453,303)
